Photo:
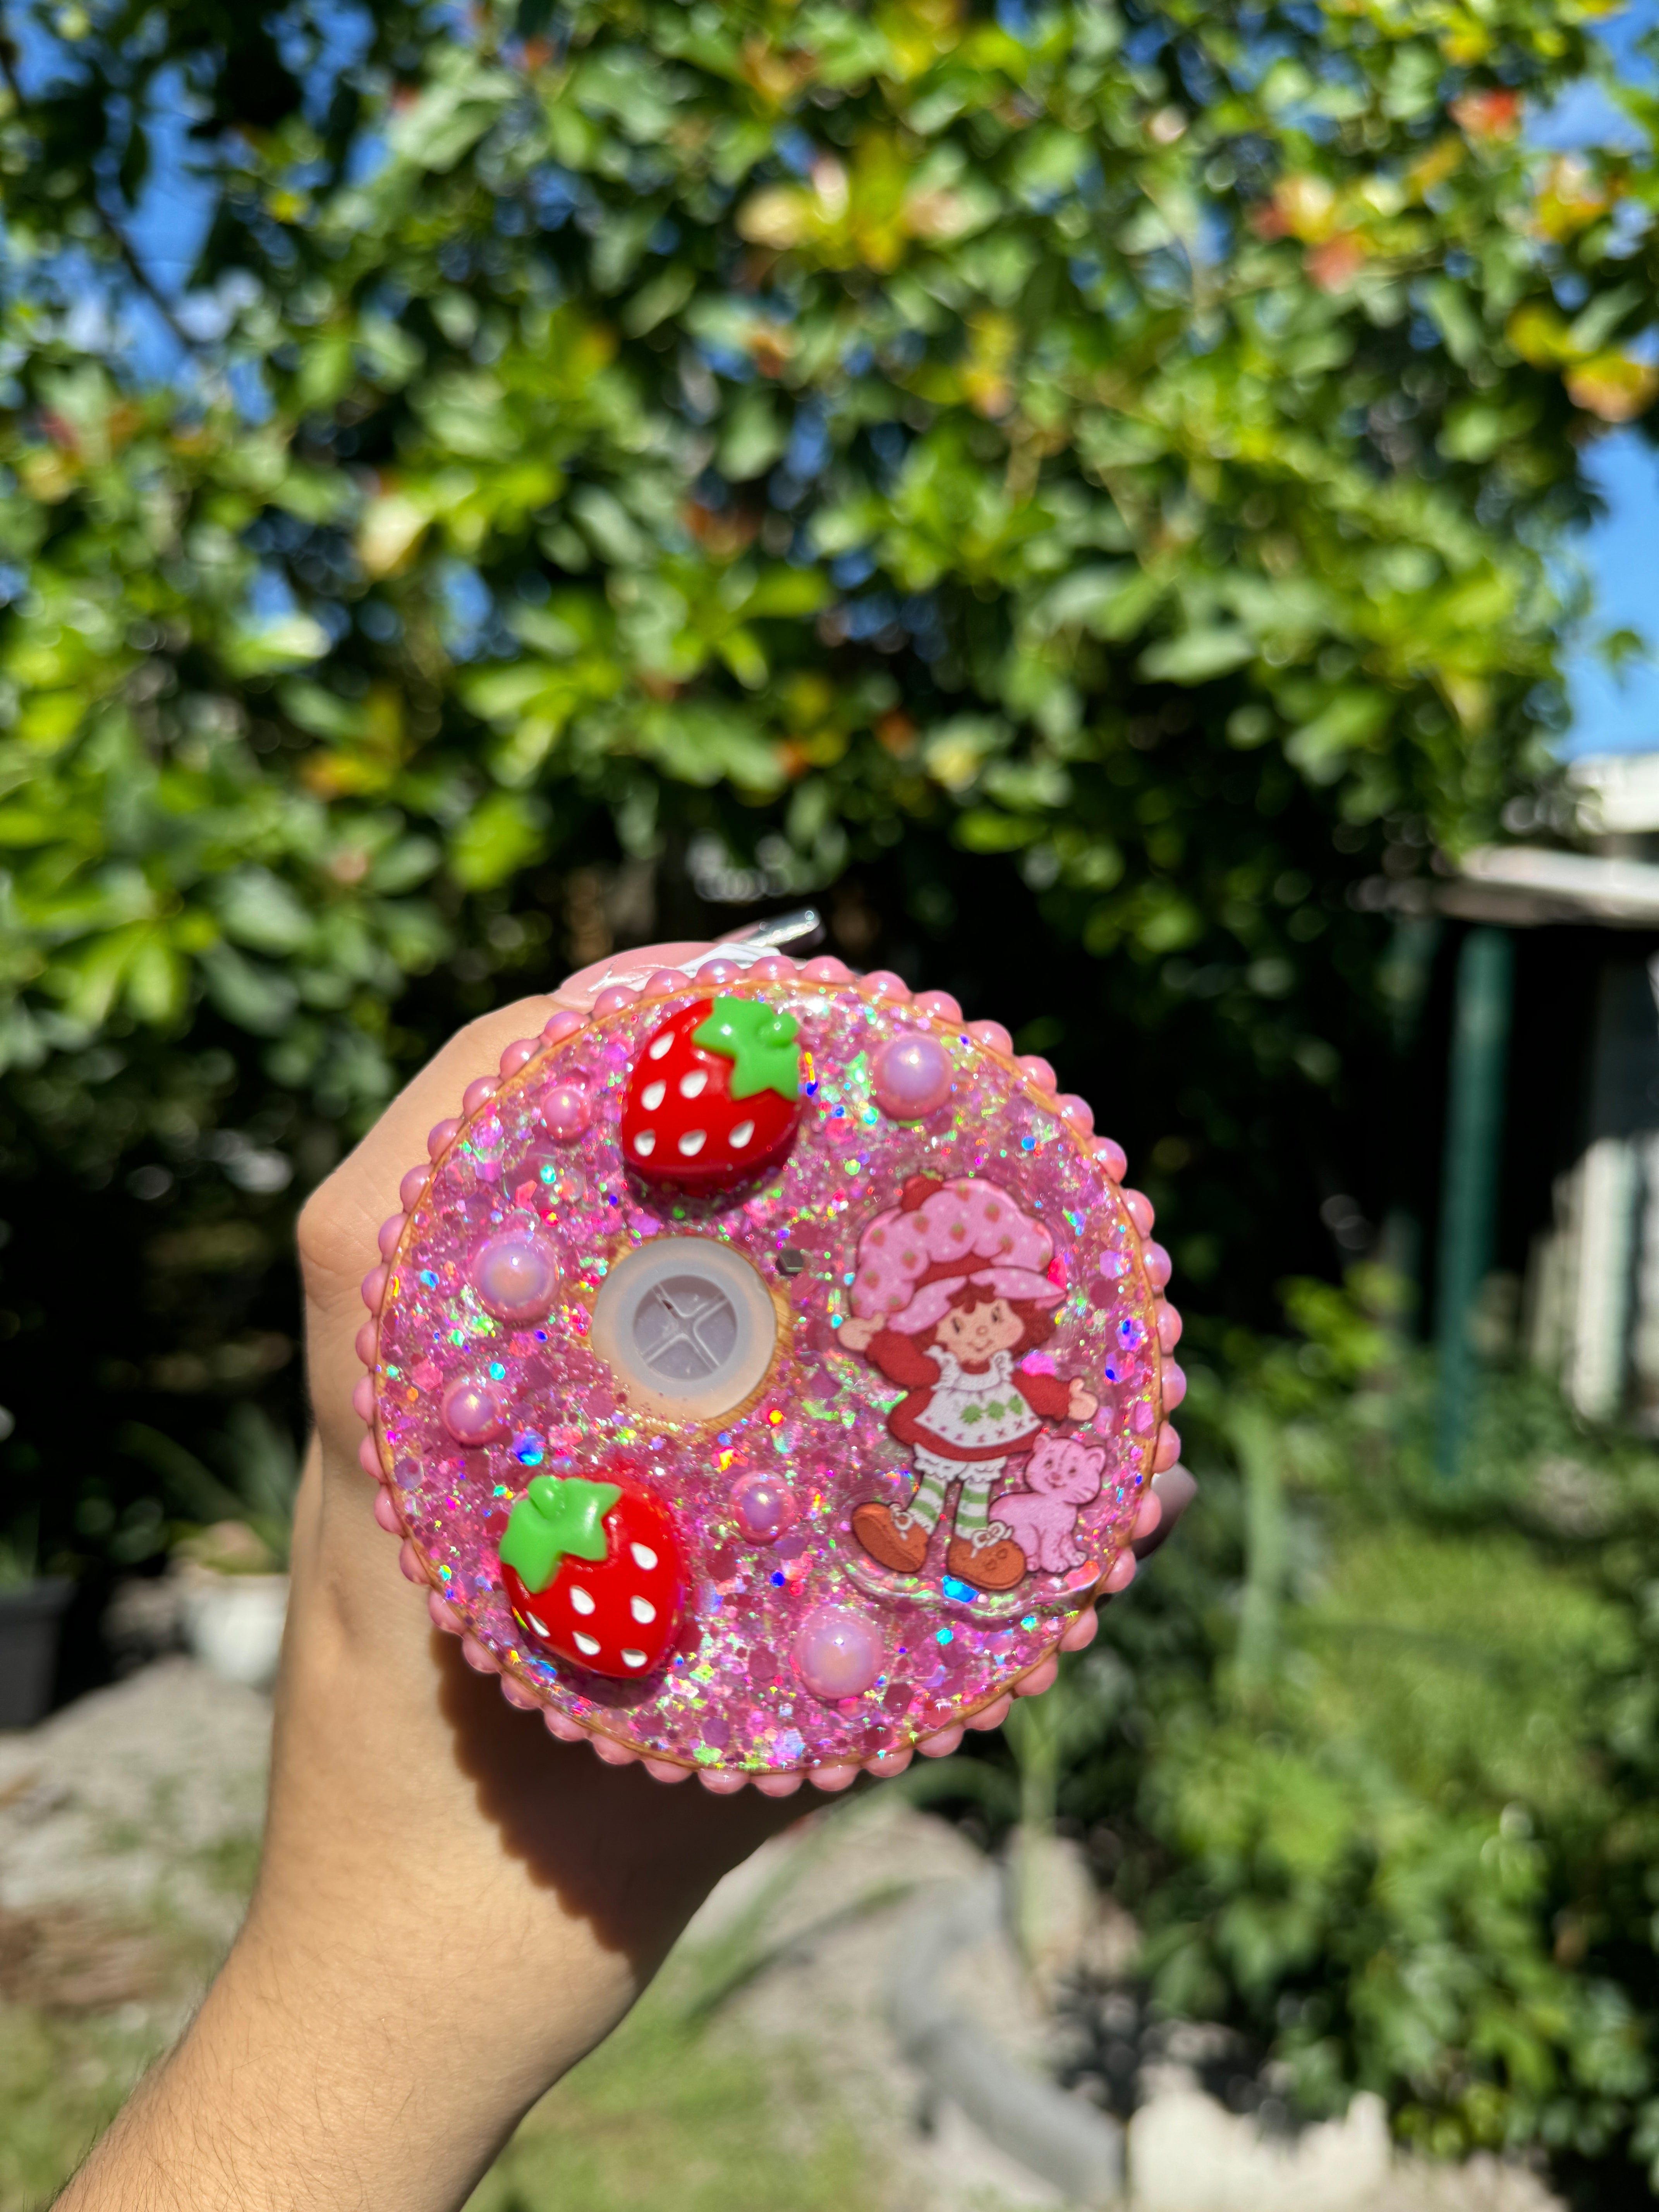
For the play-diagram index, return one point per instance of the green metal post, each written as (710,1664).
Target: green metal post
(1475,1136)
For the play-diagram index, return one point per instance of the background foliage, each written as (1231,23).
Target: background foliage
(1079,489)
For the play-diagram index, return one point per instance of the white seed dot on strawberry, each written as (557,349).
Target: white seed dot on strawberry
(692,1143)
(653,1095)
(646,1143)
(632,1658)
(694,1085)
(740,1136)
(540,1626)
(580,1600)
(642,1610)
(662,1046)
(587,1645)
(644,1557)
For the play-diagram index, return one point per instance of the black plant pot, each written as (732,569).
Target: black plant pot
(31,1620)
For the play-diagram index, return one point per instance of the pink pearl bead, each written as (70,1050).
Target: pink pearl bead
(664,1770)
(409,1189)
(762,1506)
(516,1275)
(362,1399)
(940,1746)
(1040,1678)
(479,1093)
(613,998)
(777,1785)
(1139,1207)
(480,1660)
(911,1077)
(826,969)
(1169,1326)
(941,1006)
(408,1563)
(387,1513)
(614,1755)
(882,983)
(657,985)
(1159,1266)
(561,1725)
(473,1413)
(443,1615)
(516,1695)
(1113,1159)
(368,1458)
(520,1055)
(561,1026)
(391,1230)
(993,1037)
(373,1288)
(441,1136)
(368,1344)
(1122,1574)
(1036,1069)
(720,1783)
(833,1777)
(1169,1449)
(1174,1382)
(889,1764)
(566,1110)
(1075,1111)
(771,968)
(991,1716)
(1082,1632)
(837,1652)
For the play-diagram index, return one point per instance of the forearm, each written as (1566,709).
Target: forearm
(310,2083)
(452,1909)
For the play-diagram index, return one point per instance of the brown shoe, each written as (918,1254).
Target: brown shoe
(893,1538)
(990,1560)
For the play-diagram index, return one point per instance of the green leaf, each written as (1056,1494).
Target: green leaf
(258,909)
(753,438)
(1197,656)
(254,997)
(503,832)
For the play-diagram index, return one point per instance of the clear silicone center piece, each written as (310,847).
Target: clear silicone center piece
(686,1326)
(685,1329)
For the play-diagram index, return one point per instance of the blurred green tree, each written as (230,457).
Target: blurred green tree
(1081,486)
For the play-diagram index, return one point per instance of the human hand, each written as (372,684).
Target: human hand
(452,1907)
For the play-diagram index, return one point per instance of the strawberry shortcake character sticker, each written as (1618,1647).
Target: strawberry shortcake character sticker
(950,1291)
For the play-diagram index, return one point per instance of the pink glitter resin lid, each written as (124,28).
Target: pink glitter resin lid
(806,1642)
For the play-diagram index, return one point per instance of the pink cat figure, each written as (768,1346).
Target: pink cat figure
(1061,1476)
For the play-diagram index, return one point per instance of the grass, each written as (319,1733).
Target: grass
(61,2082)
(662,2114)
(668,2112)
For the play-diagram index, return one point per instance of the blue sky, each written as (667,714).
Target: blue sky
(1621,714)
(1617,713)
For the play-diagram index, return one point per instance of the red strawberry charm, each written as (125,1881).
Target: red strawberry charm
(593,1571)
(713,1095)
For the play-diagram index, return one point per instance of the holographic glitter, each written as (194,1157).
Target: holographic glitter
(731,1694)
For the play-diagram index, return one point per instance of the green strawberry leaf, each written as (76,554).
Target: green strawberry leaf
(558,1517)
(759,1041)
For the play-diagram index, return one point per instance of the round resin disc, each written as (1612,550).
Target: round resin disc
(878,1532)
